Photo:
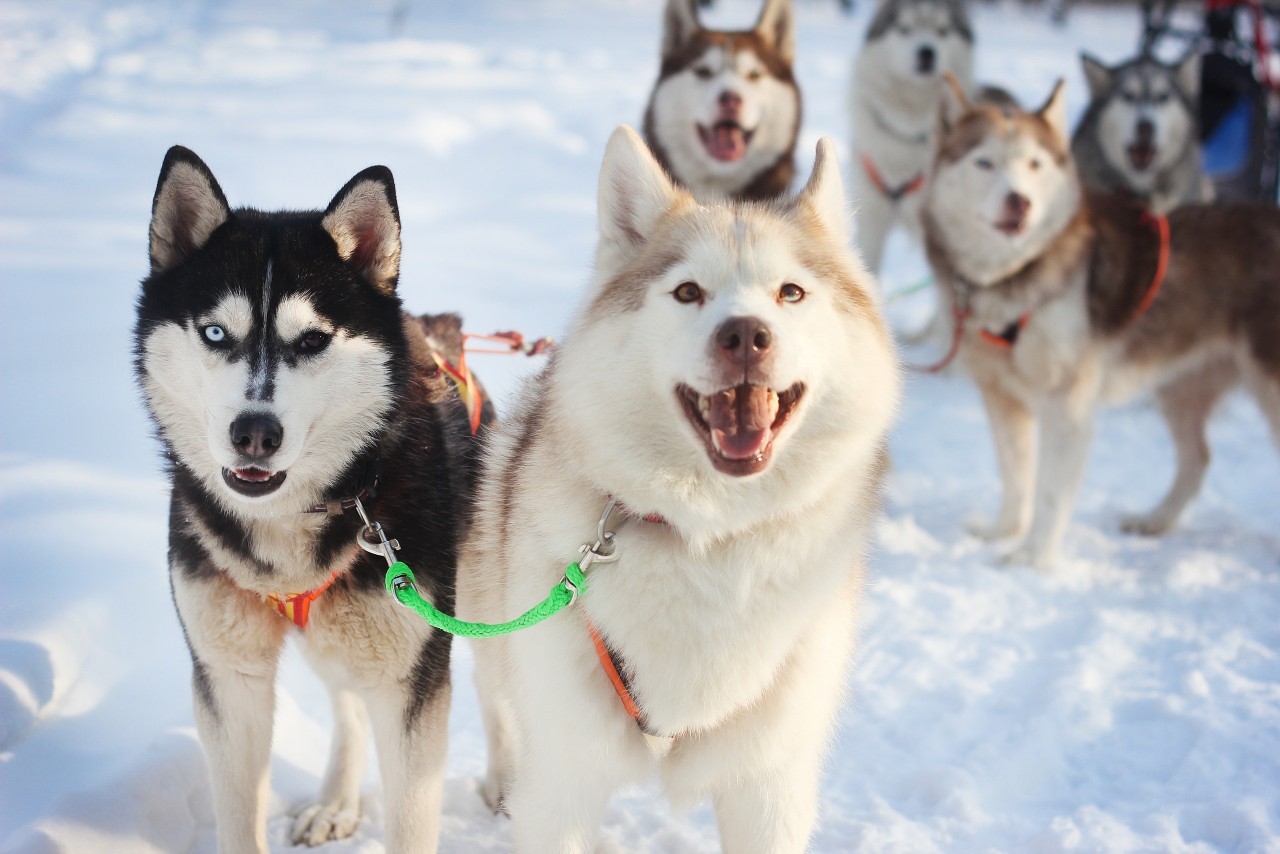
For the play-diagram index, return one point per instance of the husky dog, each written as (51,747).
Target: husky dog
(704,393)
(897,82)
(292,395)
(1067,300)
(1140,133)
(725,112)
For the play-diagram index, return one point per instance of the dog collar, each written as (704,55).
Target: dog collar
(367,490)
(893,194)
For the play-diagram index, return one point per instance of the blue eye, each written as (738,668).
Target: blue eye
(214,334)
(984,164)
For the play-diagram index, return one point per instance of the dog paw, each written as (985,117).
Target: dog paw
(1145,524)
(1028,556)
(320,823)
(494,797)
(989,529)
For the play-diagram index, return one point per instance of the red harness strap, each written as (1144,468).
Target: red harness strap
(1161,225)
(465,381)
(893,194)
(296,607)
(611,669)
(1009,336)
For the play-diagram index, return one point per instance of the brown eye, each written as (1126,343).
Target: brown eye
(1035,165)
(687,292)
(702,72)
(754,75)
(313,341)
(791,293)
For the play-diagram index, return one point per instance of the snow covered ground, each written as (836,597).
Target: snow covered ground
(1128,702)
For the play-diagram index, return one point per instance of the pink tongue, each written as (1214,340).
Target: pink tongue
(727,142)
(253,475)
(740,421)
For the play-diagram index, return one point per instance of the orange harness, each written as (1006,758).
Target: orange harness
(296,607)
(893,194)
(1008,337)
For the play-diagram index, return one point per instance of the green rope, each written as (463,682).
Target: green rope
(908,291)
(400,584)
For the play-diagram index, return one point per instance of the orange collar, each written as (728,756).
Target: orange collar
(893,194)
(296,607)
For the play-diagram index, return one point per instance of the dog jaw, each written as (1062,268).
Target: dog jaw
(740,424)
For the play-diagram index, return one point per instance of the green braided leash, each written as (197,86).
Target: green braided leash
(400,584)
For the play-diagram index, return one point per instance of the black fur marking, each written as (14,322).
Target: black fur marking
(201,684)
(430,674)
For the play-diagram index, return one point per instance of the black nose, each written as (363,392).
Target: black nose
(744,340)
(256,435)
(730,101)
(926,58)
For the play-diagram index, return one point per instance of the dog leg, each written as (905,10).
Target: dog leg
(411,754)
(873,219)
(1066,430)
(336,813)
(235,645)
(1013,429)
(770,815)
(1186,403)
(499,727)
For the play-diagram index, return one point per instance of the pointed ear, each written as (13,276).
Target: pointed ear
(679,25)
(953,103)
(187,208)
(777,27)
(1054,112)
(364,222)
(824,193)
(1188,71)
(1097,75)
(634,194)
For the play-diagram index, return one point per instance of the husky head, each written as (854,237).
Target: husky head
(726,107)
(1004,184)
(914,42)
(269,346)
(730,359)
(1144,114)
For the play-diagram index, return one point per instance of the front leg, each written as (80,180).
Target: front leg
(1066,430)
(1013,429)
(410,727)
(336,813)
(235,645)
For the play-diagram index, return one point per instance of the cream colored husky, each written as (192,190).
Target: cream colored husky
(705,393)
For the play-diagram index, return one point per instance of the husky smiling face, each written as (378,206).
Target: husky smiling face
(269,345)
(1145,114)
(726,108)
(731,330)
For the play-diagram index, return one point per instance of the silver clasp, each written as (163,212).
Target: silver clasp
(373,539)
(605,549)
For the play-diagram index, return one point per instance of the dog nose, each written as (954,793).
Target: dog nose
(926,57)
(730,101)
(1017,204)
(744,340)
(1146,131)
(257,435)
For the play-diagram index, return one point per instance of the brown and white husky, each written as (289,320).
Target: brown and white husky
(1065,300)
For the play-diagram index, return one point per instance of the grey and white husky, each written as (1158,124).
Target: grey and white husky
(704,394)
(725,111)
(293,396)
(893,104)
(1140,134)
(1069,300)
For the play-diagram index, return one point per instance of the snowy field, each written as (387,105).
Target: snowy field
(1129,702)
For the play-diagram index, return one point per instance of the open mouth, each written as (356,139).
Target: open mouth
(1141,155)
(725,140)
(253,482)
(739,424)
(1012,226)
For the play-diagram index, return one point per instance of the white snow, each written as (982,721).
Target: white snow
(1128,702)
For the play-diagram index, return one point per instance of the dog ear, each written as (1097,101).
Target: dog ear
(952,103)
(1188,71)
(634,194)
(1097,75)
(679,25)
(1054,112)
(364,222)
(777,27)
(187,208)
(824,193)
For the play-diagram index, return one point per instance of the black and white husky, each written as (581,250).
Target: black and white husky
(725,112)
(1140,134)
(288,388)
